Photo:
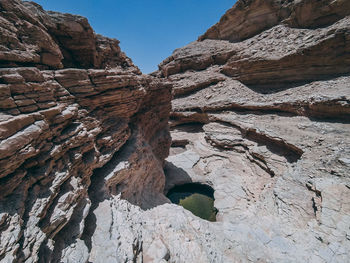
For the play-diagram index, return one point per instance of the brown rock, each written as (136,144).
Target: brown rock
(65,132)
(260,112)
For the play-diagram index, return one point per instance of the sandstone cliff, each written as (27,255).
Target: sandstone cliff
(79,124)
(260,111)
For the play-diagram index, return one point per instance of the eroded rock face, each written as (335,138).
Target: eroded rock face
(261,112)
(50,40)
(81,130)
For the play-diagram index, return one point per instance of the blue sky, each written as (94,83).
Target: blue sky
(150,30)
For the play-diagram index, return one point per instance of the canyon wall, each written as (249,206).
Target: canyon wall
(260,112)
(79,124)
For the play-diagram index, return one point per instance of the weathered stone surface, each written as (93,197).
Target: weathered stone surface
(79,125)
(261,113)
(30,36)
(248,18)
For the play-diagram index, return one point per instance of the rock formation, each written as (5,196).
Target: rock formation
(79,124)
(260,111)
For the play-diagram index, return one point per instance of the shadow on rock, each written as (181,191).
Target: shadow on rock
(175,176)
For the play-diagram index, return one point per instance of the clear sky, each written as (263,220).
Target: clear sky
(149,30)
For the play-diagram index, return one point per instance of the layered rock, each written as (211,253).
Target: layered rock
(51,40)
(261,112)
(79,125)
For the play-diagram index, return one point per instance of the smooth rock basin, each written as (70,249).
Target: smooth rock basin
(195,197)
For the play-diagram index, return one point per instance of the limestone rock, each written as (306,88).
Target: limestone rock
(79,126)
(261,113)
(32,37)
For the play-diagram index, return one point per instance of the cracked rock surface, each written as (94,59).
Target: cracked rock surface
(260,112)
(81,131)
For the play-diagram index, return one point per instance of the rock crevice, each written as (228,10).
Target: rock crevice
(71,101)
(259,110)
(268,86)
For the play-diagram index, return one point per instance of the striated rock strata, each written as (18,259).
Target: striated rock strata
(261,112)
(81,129)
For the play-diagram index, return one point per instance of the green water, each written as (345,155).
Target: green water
(200,205)
(195,197)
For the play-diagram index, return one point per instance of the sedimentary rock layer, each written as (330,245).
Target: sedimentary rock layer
(261,112)
(79,124)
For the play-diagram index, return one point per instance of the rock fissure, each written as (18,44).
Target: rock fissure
(259,110)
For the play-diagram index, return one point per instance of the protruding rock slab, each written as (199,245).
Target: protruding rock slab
(261,112)
(79,125)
